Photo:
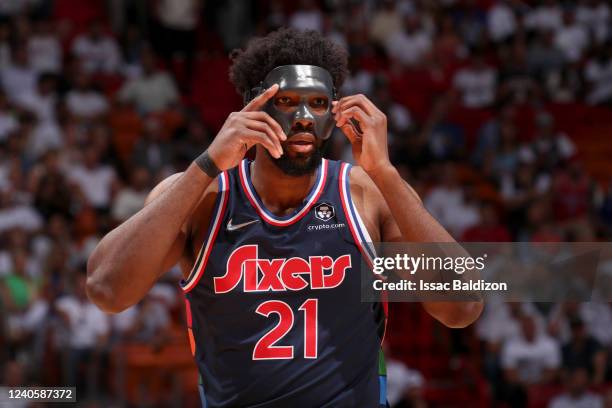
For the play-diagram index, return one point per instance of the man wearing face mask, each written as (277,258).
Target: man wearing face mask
(271,248)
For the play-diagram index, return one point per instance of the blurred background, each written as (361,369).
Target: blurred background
(499,115)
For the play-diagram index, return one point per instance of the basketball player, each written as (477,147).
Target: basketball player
(271,248)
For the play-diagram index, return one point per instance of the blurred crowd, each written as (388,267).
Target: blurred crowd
(101,100)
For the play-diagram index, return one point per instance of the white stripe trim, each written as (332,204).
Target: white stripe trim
(207,245)
(348,204)
(263,212)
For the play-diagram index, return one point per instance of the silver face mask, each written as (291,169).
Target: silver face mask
(305,80)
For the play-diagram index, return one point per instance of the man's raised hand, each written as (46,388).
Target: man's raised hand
(244,129)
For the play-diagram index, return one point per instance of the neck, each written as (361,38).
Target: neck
(280,193)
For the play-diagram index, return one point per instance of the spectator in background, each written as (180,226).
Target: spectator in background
(87,330)
(572,39)
(476,83)
(594,15)
(96,181)
(489,229)
(152,151)
(472,24)
(131,198)
(8,118)
(386,21)
(176,32)
(84,101)
(447,203)
(307,17)
(550,147)
(97,51)
(577,394)
(583,351)
(543,58)
(42,101)
(598,76)
(572,189)
(19,77)
(14,214)
(530,358)
(501,21)
(411,45)
(153,91)
(5,44)
(548,16)
(44,48)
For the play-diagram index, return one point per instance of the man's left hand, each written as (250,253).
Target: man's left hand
(369,138)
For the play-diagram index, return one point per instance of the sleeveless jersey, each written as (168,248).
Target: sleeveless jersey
(274,309)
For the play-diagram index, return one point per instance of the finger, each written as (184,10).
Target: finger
(264,127)
(350,133)
(357,100)
(352,113)
(259,101)
(263,116)
(256,137)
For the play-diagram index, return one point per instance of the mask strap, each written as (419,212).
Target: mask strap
(253,92)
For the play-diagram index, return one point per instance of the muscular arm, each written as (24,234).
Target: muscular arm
(404,217)
(129,259)
(400,215)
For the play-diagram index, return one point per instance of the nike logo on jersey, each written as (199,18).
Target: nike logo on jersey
(232,227)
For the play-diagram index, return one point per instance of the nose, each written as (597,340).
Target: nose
(303,116)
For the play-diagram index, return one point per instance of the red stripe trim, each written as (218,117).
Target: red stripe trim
(188,312)
(210,243)
(303,211)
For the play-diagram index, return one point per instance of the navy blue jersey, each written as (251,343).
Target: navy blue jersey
(274,310)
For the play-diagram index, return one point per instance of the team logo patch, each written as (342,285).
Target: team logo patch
(324,211)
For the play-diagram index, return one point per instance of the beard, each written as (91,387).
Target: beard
(300,164)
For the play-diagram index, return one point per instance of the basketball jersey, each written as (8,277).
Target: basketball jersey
(274,309)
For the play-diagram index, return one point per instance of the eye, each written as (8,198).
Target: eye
(319,102)
(283,100)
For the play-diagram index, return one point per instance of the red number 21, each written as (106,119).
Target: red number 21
(266,348)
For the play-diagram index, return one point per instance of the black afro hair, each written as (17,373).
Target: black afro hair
(286,46)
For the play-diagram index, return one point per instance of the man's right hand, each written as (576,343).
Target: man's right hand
(244,129)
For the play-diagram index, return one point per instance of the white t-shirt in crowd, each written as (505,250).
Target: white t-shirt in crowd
(586,400)
(477,87)
(127,203)
(178,14)
(45,136)
(45,53)
(22,216)
(86,322)
(545,18)
(596,19)
(501,22)
(599,75)
(95,183)
(97,56)
(43,106)
(86,104)
(18,80)
(530,359)
(449,208)
(307,20)
(572,40)
(409,49)
(150,93)
(8,124)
